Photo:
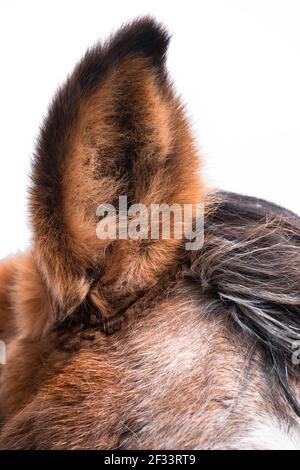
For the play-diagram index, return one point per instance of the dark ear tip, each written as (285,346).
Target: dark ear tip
(142,36)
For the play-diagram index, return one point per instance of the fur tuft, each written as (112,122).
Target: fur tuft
(144,36)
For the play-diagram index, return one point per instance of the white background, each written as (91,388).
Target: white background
(236,63)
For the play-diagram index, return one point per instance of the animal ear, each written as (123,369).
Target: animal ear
(115,128)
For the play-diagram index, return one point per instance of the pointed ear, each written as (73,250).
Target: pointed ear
(115,128)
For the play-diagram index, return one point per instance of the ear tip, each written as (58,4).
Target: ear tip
(144,36)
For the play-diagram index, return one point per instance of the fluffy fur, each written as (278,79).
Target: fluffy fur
(115,128)
(201,352)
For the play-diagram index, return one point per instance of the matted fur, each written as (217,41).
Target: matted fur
(203,360)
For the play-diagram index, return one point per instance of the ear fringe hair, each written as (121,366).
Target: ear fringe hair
(251,262)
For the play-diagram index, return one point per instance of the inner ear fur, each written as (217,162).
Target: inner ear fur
(115,128)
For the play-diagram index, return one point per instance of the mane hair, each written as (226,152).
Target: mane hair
(250,262)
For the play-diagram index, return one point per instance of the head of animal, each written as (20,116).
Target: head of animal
(150,312)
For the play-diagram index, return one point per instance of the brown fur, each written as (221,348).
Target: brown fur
(128,136)
(193,363)
(7,280)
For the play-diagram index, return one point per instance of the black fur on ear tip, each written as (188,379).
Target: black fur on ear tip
(143,36)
